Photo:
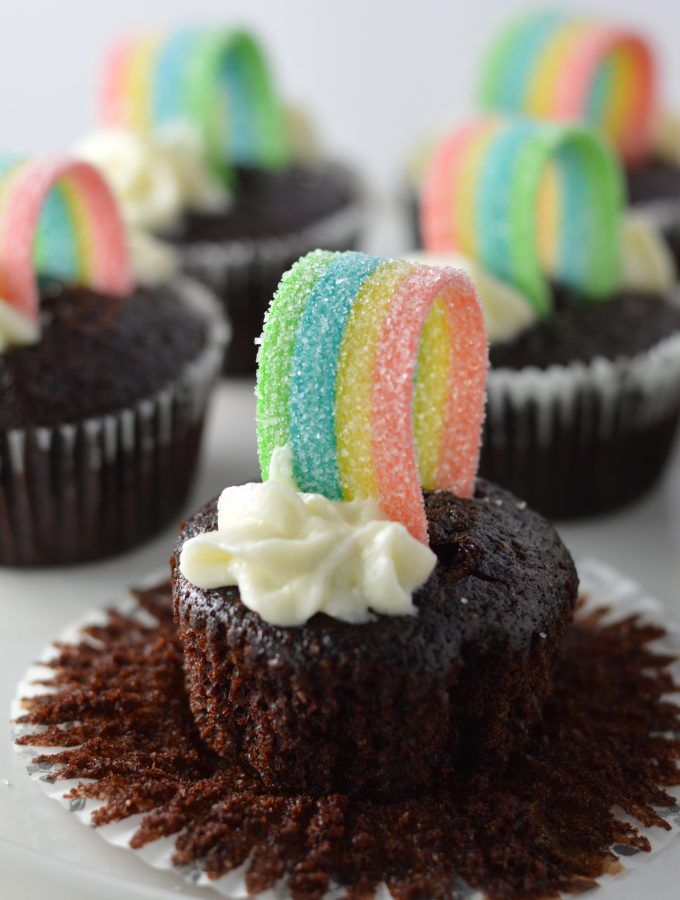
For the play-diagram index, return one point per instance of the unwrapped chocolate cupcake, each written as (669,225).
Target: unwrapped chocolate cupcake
(201,150)
(104,380)
(344,631)
(554,65)
(584,391)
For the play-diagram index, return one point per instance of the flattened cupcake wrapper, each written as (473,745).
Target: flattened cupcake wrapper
(601,586)
(586,437)
(245,273)
(93,488)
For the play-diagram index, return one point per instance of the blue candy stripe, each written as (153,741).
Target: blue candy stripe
(314,374)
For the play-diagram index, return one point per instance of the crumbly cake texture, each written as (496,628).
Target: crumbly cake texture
(587,461)
(654,180)
(400,704)
(97,354)
(540,827)
(622,326)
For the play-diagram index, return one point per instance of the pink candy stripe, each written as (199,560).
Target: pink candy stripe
(113,95)
(462,434)
(576,78)
(110,266)
(437,209)
(393,441)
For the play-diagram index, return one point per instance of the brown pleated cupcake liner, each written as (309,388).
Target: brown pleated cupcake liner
(244,274)
(94,488)
(585,438)
(186,817)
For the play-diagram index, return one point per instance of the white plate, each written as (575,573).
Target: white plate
(41,846)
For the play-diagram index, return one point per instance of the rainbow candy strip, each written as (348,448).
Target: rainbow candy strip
(373,372)
(550,65)
(526,198)
(58,217)
(215,79)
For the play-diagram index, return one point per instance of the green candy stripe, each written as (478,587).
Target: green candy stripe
(591,199)
(230,94)
(275,356)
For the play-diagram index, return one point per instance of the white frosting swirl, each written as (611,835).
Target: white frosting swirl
(293,555)
(666,136)
(647,263)
(304,140)
(16,330)
(155,179)
(154,262)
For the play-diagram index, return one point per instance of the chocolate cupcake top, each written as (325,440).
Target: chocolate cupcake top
(655,180)
(269,203)
(97,353)
(623,326)
(502,575)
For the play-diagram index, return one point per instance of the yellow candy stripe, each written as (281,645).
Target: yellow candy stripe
(549,217)
(622,84)
(431,395)
(573,69)
(540,91)
(355,379)
(138,81)
(80,226)
(465,210)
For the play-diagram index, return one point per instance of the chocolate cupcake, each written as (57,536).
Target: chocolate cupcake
(381,646)
(554,65)
(105,383)
(584,390)
(249,191)
(654,183)
(402,703)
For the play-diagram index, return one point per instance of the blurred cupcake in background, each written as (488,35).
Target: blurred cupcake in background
(204,155)
(106,371)
(555,65)
(584,324)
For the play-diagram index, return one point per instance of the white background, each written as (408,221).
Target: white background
(377,75)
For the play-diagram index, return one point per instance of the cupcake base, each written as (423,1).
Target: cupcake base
(542,826)
(242,256)
(90,489)
(579,435)
(577,472)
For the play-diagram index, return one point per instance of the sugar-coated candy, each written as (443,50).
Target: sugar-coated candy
(373,372)
(58,217)
(215,79)
(529,200)
(554,65)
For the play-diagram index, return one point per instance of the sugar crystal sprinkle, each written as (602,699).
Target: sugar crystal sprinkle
(356,367)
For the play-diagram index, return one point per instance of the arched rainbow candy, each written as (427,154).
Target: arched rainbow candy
(58,217)
(552,65)
(367,364)
(527,199)
(214,79)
